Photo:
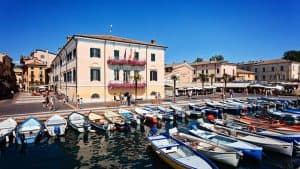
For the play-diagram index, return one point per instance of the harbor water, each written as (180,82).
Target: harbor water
(113,150)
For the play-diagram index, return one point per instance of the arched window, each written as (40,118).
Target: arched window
(95,96)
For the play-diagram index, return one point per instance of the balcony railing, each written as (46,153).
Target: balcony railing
(117,84)
(126,62)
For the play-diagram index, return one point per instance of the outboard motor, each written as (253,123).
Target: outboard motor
(57,130)
(86,126)
(153,131)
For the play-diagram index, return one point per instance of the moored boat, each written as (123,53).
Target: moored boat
(56,125)
(129,116)
(148,115)
(99,122)
(212,150)
(265,142)
(28,131)
(7,128)
(116,119)
(248,149)
(79,122)
(178,155)
(179,111)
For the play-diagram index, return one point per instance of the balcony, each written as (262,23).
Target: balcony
(126,62)
(119,84)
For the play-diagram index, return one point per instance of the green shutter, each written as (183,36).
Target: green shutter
(92,74)
(91,52)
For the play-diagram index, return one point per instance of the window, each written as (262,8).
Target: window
(42,56)
(264,69)
(206,71)
(264,77)
(74,53)
(255,77)
(202,71)
(218,71)
(74,75)
(95,74)
(233,72)
(116,74)
(65,77)
(152,57)
(281,68)
(40,68)
(95,52)
(126,75)
(69,76)
(136,55)
(255,69)
(272,68)
(153,75)
(116,54)
(95,96)
(31,68)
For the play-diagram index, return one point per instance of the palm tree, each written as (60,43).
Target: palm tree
(174,78)
(136,77)
(202,78)
(226,78)
(212,76)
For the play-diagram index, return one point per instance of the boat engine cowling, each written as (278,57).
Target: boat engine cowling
(57,130)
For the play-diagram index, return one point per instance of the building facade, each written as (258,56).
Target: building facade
(276,70)
(244,75)
(36,68)
(7,76)
(100,68)
(215,68)
(18,69)
(184,71)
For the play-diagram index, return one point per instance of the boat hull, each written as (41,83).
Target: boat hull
(226,158)
(52,131)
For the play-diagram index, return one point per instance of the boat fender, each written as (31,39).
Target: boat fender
(251,128)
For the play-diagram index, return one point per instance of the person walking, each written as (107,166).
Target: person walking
(80,103)
(51,100)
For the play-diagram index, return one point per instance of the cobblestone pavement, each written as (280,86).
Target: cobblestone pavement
(24,103)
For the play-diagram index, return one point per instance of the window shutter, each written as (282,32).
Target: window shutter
(99,77)
(91,52)
(92,74)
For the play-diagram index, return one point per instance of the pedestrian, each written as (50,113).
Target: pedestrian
(231,93)
(81,103)
(77,104)
(51,103)
(128,99)
(47,100)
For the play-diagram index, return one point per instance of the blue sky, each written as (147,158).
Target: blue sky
(241,30)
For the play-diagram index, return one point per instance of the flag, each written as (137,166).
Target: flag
(125,54)
(130,54)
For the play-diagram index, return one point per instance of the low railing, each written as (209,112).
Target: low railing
(126,62)
(126,85)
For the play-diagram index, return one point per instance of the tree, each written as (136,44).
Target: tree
(293,55)
(198,60)
(202,78)
(226,78)
(136,77)
(217,58)
(174,78)
(212,76)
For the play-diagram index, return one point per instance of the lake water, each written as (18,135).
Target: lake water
(113,150)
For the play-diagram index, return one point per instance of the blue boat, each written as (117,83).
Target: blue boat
(28,131)
(177,154)
(248,149)
(129,117)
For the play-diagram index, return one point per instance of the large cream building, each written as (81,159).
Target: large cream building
(99,67)
(275,70)
(217,68)
(183,71)
(36,68)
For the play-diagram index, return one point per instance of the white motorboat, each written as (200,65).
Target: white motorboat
(79,122)
(56,125)
(7,128)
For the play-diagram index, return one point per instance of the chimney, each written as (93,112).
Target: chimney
(69,38)
(153,42)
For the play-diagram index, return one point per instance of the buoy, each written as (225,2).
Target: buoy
(210,117)
(7,138)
